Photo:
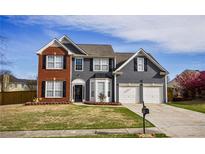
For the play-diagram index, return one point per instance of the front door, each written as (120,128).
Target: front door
(78,93)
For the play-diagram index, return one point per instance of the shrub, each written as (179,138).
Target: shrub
(102,97)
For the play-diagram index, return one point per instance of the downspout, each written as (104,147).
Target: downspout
(71,92)
(37,78)
(114,87)
(165,82)
(115,80)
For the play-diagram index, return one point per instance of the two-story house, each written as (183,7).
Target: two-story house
(82,72)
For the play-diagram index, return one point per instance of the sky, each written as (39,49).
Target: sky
(177,42)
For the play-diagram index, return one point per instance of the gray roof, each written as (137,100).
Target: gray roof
(122,57)
(93,50)
(72,48)
(98,50)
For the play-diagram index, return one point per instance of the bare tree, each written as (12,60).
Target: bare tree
(3,59)
(3,45)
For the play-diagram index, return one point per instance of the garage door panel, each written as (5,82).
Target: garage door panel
(129,94)
(152,94)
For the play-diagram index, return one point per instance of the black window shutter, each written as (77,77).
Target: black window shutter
(91,64)
(135,64)
(43,89)
(44,62)
(110,65)
(145,64)
(64,62)
(64,88)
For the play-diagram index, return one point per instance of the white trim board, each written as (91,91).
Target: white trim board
(70,41)
(54,41)
(133,56)
(138,84)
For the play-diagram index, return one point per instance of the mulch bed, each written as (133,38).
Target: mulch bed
(102,103)
(45,103)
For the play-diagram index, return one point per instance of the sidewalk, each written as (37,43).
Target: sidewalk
(61,133)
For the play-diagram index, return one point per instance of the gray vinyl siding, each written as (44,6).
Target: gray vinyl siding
(131,76)
(86,75)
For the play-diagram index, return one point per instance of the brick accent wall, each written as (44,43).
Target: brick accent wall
(63,74)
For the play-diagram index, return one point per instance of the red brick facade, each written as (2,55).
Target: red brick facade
(54,74)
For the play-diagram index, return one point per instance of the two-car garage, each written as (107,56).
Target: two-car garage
(131,93)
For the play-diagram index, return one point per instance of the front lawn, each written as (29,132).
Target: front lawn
(195,105)
(60,117)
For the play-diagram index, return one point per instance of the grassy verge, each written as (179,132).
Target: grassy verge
(62,117)
(117,136)
(196,105)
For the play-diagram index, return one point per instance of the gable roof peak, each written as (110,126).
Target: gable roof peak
(52,42)
(67,39)
(141,50)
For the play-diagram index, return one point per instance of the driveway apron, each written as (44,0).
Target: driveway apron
(173,121)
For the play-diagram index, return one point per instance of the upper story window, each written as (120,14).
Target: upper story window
(100,64)
(54,62)
(79,64)
(140,64)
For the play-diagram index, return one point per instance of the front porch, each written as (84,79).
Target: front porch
(92,90)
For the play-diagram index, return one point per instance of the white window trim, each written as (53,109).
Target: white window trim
(54,68)
(140,70)
(82,64)
(100,65)
(53,90)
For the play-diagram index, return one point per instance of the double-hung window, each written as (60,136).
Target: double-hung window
(140,64)
(54,62)
(79,64)
(96,63)
(54,89)
(105,64)
(101,64)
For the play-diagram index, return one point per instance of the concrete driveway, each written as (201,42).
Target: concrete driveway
(173,121)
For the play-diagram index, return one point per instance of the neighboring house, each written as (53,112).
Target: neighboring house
(81,72)
(11,83)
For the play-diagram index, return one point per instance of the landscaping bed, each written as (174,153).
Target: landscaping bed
(102,103)
(62,117)
(45,103)
(195,105)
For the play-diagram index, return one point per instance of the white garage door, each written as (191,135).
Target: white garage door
(153,94)
(129,94)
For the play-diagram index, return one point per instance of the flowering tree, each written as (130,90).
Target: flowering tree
(191,82)
(188,80)
(201,83)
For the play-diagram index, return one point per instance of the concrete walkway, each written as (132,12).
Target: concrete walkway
(64,133)
(173,121)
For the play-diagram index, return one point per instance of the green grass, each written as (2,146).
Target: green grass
(116,136)
(60,117)
(195,105)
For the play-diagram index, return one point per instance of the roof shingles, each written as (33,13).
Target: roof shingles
(94,50)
